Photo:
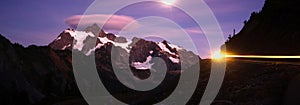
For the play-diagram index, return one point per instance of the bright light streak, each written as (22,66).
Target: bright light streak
(218,55)
(262,56)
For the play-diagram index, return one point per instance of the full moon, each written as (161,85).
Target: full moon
(168,2)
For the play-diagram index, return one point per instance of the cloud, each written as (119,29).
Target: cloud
(114,22)
(194,30)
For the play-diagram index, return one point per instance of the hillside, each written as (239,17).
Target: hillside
(44,74)
(41,75)
(273,30)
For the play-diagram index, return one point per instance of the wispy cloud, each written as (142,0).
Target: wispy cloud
(194,30)
(109,22)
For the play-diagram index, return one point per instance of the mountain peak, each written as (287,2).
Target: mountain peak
(141,51)
(96,30)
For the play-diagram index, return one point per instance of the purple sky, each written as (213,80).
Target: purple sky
(40,21)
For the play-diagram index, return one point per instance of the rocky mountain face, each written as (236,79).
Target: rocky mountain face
(34,74)
(137,51)
(44,74)
(275,30)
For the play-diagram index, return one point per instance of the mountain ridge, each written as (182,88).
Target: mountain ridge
(272,31)
(38,74)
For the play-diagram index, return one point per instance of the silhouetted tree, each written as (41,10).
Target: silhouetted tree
(233,32)
(229,37)
(245,22)
(254,13)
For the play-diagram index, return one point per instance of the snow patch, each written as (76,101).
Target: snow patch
(79,36)
(122,45)
(174,46)
(174,60)
(143,65)
(105,40)
(164,48)
(99,45)
(58,38)
(66,47)
(151,52)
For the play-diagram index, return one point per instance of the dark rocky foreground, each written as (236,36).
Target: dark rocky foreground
(41,75)
(257,82)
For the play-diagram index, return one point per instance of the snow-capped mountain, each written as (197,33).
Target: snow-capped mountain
(35,74)
(139,51)
(82,40)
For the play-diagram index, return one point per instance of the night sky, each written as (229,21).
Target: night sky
(40,21)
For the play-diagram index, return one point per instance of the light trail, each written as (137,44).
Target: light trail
(218,55)
(262,56)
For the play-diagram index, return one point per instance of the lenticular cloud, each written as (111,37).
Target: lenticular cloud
(109,22)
